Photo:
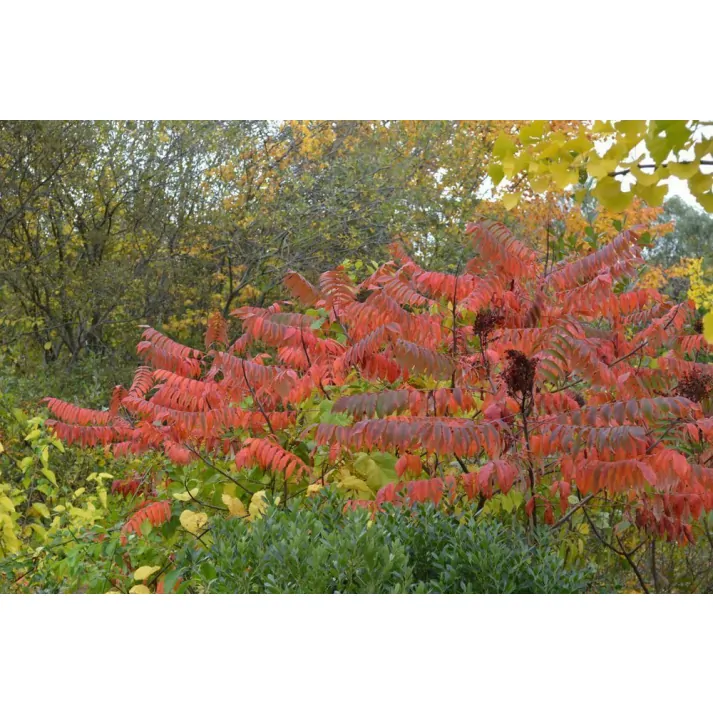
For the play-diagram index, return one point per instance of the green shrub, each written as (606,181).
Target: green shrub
(316,548)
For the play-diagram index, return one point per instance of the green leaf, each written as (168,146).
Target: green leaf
(598,167)
(495,171)
(608,192)
(532,132)
(146,528)
(683,170)
(563,175)
(603,127)
(706,201)
(510,200)
(653,195)
(170,579)
(379,469)
(644,178)
(700,183)
(504,146)
(631,127)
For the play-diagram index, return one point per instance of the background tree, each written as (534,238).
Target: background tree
(541,157)
(107,224)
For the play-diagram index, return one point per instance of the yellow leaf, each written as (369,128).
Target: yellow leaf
(553,146)
(708,327)
(102,496)
(563,175)
(706,201)
(539,184)
(39,530)
(503,146)
(510,200)
(42,509)
(314,488)
(579,145)
(186,495)
(608,192)
(495,171)
(700,183)
(235,506)
(631,127)
(351,482)
(603,127)
(258,505)
(143,573)
(116,591)
(649,179)
(683,170)
(194,522)
(653,195)
(139,589)
(532,131)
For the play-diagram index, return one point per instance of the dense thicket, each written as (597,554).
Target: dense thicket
(107,225)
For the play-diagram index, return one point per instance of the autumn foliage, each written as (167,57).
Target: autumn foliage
(559,381)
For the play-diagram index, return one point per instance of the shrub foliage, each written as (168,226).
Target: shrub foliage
(555,387)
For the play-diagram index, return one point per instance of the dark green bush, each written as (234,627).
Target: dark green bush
(316,548)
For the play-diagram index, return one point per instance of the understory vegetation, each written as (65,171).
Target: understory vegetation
(517,403)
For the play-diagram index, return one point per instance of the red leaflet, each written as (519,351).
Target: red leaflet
(409,463)
(156,513)
(271,456)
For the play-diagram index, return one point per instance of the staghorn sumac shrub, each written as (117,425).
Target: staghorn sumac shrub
(565,383)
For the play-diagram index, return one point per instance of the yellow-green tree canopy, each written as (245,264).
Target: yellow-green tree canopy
(626,159)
